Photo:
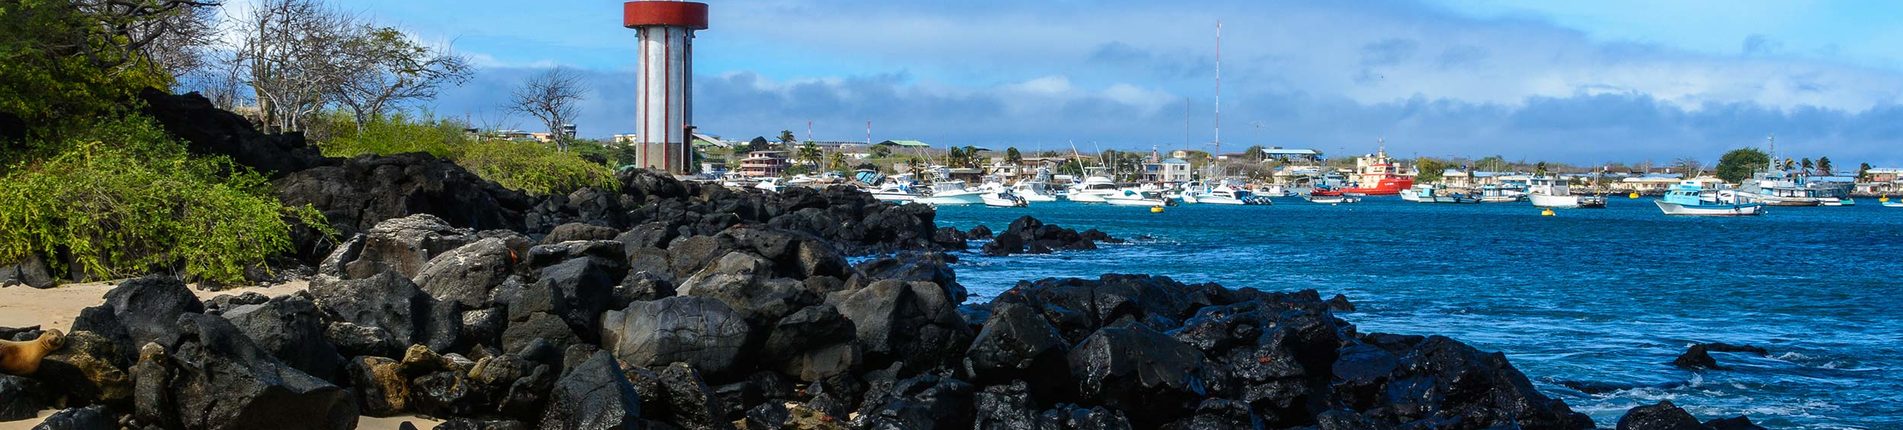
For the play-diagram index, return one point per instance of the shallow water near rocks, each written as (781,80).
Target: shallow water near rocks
(1597,296)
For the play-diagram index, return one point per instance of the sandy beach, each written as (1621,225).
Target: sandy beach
(55,308)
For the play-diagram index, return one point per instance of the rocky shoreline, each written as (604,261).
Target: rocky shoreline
(667,304)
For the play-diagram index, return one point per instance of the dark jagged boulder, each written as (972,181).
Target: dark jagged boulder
(208,130)
(95,417)
(1698,356)
(221,380)
(290,328)
(911,323)
(469,274)
(139,311)
(1075,417)
(593,395)
(86,370)
(356,194)
(1029,235)
(933,267)
(1017,343)
(979,233)
(1733,423)
(922,402)
(1078,307)
(1005,406)
(382,388)
(677,395)
(385,301)
(1138,370)
(1661,416)
(403,245)
(812,343)
(465,423)
(31,272)
(1440,379)
(702,332)
(21,398)
(746,283)
(579,231)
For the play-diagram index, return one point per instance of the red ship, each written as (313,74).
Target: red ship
(1375,175)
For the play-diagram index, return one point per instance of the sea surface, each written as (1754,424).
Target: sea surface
(1601,296)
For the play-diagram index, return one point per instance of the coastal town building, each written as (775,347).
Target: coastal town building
(1173,170)
(763,164)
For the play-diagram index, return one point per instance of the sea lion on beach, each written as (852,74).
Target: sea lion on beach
(22,358)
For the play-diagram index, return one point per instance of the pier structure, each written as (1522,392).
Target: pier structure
(664,108)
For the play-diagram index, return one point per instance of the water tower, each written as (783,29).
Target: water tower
(664,106)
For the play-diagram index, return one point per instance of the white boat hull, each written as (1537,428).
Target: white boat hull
(895,198)
(1087,197)
(1893,204)
(1557,202)
(1713,210)
(1036,198)
(998,201)
(1332,200)
(1134,202)
(1218,200)
(953,199)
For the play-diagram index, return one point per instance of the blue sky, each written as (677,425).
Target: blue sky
(1582,82)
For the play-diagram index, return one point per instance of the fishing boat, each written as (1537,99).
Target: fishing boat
(895,192)
(1501,194)
(1331,200)
(1136,197)
(1224,195)
(1433,193)
(951,193)
(1375,175)
(1093,190)
(768,184)
(1690,198)
(1004,199)
(1033,191)
(1550,192)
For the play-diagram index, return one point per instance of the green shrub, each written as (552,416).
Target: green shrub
(533,167)
(122,198)
(395,134)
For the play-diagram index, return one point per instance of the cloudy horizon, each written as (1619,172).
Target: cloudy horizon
(1616,81)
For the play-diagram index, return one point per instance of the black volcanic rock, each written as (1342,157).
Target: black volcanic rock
(1029,235)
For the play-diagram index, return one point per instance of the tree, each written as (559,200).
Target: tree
(787,139)
(550,96)
(1690,167)
(809,154)
(1739,164)
(914,165)
(1808,165)
(1823,166)
(1430,170)
(1863,172)
(1789,164)
(62,61)
(383,67)
(1012,156)
(1256,153)
(289,49)
(881,151)
(1539,169)
(836,161)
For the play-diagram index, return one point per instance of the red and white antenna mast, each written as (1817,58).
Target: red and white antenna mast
(1218,87)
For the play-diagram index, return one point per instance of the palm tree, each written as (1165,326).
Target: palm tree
(837,161)
(1823,166)
(1790,164)
(881,151)
(1808,165)
(1012,156)
(786,138)
(1255,153)
(809,153)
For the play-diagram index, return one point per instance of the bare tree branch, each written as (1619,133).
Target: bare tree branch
(550,97)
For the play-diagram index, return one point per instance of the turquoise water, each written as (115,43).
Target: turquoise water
(1605,296)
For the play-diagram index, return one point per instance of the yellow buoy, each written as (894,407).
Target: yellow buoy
(1547,212)
(1884,199)
(1156,209)
(1634,195)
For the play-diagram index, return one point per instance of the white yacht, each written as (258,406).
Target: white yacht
(1033,191)
(893,191)
(1224,195)
(951,193)
(1550,192)
(1004,199)
(1136,197)
(769,184)
(1093,189)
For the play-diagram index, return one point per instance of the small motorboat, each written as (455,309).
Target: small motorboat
(1431,193)
(1331,200)
(1691,198)
(951,193)
(1137,197)
(895,192)
(1895,204)
(1004,199)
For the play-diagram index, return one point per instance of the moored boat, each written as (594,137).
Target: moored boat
(1690,198)
(1550,192)
(1004,199)
(952,193)
(1092,190)
(1136,197)
(1432,193)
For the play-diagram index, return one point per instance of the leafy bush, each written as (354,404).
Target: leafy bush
(532,167)
(122,198)
(338,135)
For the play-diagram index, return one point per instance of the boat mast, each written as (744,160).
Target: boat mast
(1218,87)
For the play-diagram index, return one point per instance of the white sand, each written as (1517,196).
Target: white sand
(55,308)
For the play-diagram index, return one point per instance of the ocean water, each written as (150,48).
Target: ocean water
(1604,296)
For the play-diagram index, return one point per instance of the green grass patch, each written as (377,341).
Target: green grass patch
(533,167)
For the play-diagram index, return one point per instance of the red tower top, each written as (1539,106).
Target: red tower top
(664,13)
